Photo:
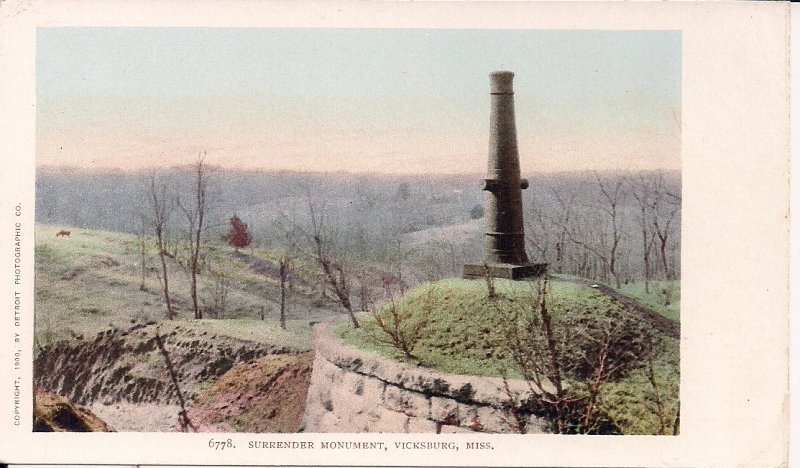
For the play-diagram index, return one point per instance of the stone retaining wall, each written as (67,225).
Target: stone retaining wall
(357,391)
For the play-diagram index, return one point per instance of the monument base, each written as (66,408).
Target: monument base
(504,270)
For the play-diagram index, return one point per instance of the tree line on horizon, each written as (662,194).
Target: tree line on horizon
(611,227)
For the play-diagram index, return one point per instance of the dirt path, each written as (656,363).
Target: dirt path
(304,307)
(665,325)
(265,267)
(330,311)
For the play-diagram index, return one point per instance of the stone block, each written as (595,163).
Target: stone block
(491,419)
(446,429)
(406,401)
(325,398)
(358,422)
(325,370)
(359,384)
(444,410)
(373,388)
(416,425)
(469,417)
(329,422)
(346,403)
(505,270)
(389,421)
(313,415)
(339,376)
(353,382)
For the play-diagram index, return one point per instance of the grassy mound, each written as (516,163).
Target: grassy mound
(466,332)
(662,296)
(465,327)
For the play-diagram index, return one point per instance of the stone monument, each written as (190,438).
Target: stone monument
(504,246)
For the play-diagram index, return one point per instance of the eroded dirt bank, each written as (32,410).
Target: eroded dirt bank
(264,395)
(128,366)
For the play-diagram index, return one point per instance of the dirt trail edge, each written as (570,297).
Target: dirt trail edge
(663,324)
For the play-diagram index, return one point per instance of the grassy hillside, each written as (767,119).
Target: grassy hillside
(465,326)
(467,333)
(663,297)
(90,281)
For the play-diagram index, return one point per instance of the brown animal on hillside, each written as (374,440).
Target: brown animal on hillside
(62,234)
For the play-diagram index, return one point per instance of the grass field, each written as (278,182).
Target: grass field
(664,296)
(297,334)
(90,281)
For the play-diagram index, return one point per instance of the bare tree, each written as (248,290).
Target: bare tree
(161,210)
(614,198)
(539,360)
(540,231)
(642,191)
(334,273)
(289,253)
(562,221)
(398,326)
(284,274)
(218,291)
(195,214)
(183,415)
(362,248)
(665,209)
(587,230)
(659,402)
(567,360)
(143,245)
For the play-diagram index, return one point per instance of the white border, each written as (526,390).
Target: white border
(735,240)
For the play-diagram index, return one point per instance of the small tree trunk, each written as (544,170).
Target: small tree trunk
(555,376)
(198,313)
(142,286)
(663,248)
(651,376)
(170,311)
(283,275)
(345,300)
(363,292)
(645,259)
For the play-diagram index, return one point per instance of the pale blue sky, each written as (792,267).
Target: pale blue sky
(306,98)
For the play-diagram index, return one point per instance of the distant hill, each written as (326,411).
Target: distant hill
(462,233)
(422,221)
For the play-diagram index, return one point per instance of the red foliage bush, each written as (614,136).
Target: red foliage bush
(238,237)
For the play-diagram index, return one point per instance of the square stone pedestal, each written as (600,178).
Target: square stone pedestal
(504,270)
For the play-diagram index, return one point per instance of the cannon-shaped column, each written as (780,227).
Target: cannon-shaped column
(504,244)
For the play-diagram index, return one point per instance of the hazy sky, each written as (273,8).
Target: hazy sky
(390,100)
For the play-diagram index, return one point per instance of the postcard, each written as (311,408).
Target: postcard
(342,233)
